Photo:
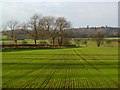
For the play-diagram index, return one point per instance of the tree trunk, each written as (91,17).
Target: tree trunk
(60,40)
(53,40)
(35,41)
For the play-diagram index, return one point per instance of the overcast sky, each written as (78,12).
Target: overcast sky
(80,14)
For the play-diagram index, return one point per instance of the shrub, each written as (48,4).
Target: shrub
(66,41)
(43,42)
(24,42)
(84,42)
(109,43)
(76,42)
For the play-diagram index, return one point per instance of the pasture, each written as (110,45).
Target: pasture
(84,67)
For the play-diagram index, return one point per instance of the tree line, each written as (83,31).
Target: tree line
(38,27)
(56,29)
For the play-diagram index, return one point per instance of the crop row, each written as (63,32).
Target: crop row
(54,69)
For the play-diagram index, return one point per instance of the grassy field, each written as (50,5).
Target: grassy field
(86,67)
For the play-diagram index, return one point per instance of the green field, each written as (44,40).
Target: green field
(86,67)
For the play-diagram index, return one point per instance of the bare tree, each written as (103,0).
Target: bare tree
(50,27)
(53,36)
(99,38)
(24,28)
(48,22)
(62,25)
(32,28)
(9,29)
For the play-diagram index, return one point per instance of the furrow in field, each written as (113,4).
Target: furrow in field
(86,61)
(47,79)
(20,76)
(48,75)
(63,68)
(100,63)
(92,57)
(24,75)
(70,72)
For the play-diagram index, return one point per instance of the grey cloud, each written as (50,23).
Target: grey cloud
(80,14)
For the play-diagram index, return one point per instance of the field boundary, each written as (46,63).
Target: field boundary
(7,46)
